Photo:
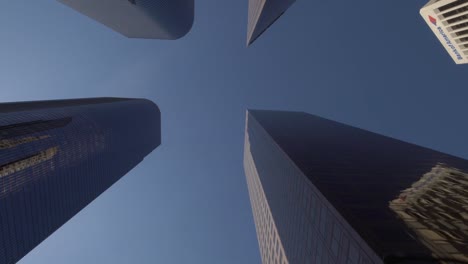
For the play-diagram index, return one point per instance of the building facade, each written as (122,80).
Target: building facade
(448,19)
(325,192)
(151,19)
(58,156)
(262,14)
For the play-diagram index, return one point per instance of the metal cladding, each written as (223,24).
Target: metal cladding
(58,156)
(151,19)
(325,192)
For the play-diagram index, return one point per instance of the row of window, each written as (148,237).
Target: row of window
(452,5)
(270,248)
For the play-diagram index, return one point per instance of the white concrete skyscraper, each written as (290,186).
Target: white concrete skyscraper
(448,19)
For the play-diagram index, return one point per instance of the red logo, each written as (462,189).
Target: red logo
(433,20)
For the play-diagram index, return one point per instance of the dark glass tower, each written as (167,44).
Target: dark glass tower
(151,19)
(262,14)
(58,156)
(325,192)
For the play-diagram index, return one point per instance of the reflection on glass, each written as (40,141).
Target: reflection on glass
(58,156)
(27,128)
(25,163)
(11,143)
(35,153)
(435,208)
(72,151)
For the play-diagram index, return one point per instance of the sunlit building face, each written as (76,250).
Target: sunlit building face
(262,14)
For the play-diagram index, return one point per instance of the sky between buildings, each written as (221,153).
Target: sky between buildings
(371,64)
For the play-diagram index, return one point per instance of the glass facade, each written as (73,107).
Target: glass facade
(58,156)
(175,16)
(262,14)
(150,19)
(339,194)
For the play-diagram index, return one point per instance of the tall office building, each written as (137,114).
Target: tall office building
(448,19)
(262,14)
(58,156)
(324,192)
(151,19)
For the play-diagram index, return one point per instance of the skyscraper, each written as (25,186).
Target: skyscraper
(448,19)
(152,19)
(262,14)
(58,156)
(325,192)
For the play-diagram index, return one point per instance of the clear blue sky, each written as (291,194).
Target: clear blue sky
(371,64)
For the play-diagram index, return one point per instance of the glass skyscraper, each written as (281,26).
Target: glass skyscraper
(325,192)
(262,14)
(58,156)
(151,19)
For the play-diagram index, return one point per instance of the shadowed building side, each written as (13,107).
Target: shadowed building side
(151,19)
(325,192)
(58,156)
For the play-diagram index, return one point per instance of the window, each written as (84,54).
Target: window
(454,4)
(456,11)
(353,255)
(323,221)
(459,26)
